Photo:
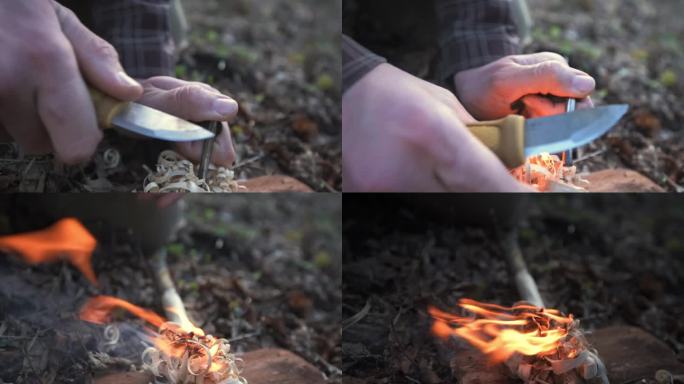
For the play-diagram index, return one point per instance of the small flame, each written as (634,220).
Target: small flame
(540,170)
(205,355)
(500,332)
(99,309)
(66,239)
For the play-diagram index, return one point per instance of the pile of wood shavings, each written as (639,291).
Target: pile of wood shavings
(176,174)
(187,358)
(573,362)
(548,173)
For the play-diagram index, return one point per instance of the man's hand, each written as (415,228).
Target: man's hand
(194,102)
(488,91)
(400,133)
(44,103)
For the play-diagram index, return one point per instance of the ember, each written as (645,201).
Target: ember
(536,344)
(181,353)
(548,173)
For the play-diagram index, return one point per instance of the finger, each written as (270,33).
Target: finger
(97,59)
(548,77)
(65,107)
(168,83)
(191,102)
(24,125)
(585,103)
(223,154)
(538,106)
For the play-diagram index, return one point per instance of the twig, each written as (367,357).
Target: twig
(171,300)
(589,156)
(249,161)
(524,281)
(357,317)
(245,336)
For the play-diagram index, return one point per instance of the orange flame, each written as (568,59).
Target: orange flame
(500,332)
(174,339)
(540,170)
(98,310)
(66,239)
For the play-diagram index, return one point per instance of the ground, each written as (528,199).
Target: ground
(261,270)
(278,58)
(633,48)
(608,260)
(635,51)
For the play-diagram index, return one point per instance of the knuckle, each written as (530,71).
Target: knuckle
(103,49)
(549,68)
(554,56)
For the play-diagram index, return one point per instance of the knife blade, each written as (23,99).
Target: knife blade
(514,138)
(143,120)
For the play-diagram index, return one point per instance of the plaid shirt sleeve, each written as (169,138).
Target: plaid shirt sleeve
(140,32)
(357,61)
(473,33)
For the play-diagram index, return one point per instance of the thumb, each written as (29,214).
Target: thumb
(550,77)
(97,59)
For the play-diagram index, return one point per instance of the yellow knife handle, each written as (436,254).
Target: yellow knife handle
(504,137)
(106,107)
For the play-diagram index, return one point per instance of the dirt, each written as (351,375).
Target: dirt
(261,270)
(607,259)
(635,51)
(278,58)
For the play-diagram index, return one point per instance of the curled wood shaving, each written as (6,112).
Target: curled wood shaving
(176,174)
(192,359)
(573,362)
(111,334)
(547,173)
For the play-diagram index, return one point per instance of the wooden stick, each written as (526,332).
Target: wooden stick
(524,281)
(171,300)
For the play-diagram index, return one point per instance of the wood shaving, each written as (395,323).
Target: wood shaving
(186,358)
(177,174)
(573,362)
(547,173)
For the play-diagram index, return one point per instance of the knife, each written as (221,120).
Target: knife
(144,120)
(514,138)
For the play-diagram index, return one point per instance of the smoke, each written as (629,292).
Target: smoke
(41,336)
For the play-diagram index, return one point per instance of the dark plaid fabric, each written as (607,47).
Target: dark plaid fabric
(473,33)
(138,29)
(357,61)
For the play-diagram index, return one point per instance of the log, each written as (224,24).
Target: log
(274,183)
(263,366)
(631,354)
(271,365)
(620,180)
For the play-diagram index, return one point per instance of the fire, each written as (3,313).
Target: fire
(181,351)
(99,309)
(66,239)
(500,332)
(540,170)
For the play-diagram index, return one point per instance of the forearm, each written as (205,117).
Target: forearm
(473,33)
(357,61)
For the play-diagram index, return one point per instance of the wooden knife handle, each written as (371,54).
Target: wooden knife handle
(504,137)
(106,107)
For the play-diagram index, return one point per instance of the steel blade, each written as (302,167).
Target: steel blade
(560,133)
(153,123)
